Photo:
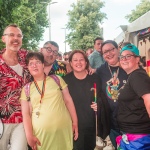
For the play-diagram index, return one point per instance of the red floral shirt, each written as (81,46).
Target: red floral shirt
(10,88)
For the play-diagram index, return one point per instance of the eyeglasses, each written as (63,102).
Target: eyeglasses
(13,35)
(32,64)
(108,51)
(49,50)
(126,57)
(66,59)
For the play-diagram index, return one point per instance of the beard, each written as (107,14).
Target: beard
(15,47)
(49,60)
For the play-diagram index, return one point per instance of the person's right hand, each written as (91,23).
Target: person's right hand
(75,131)
(33,142)
(94,106)
(91,70)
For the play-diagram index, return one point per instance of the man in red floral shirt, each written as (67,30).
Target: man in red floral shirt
(13,76)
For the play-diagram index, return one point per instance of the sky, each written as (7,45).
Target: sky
(116,10)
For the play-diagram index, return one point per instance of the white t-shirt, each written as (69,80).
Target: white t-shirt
(18,69)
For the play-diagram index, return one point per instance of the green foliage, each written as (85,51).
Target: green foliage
(140,10)
(29,15)
(84,23)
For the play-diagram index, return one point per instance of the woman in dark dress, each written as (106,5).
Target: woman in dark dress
(80,85)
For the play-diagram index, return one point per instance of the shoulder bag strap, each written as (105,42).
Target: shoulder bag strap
(56,79)
(27,90)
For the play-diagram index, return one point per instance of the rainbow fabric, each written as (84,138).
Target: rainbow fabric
(133,142)
(148,67)
(95,93)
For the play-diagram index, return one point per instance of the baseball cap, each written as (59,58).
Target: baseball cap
(132,48)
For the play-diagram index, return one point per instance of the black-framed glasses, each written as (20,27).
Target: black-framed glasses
(13,35)
(126,57)
(109,51)
(66,59)
(49,50)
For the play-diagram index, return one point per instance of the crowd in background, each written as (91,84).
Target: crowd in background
(78,100)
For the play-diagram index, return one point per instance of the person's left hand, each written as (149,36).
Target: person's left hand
(75,131)
(94,106)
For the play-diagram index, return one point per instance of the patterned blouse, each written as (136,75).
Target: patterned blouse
(10,88)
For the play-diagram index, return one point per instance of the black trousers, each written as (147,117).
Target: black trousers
(85,141)
(113,135)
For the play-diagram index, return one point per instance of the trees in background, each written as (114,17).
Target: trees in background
(141,9)
(29,15)
(84,23)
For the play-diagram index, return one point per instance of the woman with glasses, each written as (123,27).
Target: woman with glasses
(134,103)
(112,78)
(49,115)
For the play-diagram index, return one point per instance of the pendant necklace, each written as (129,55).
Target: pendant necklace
(41,93)
(115,83)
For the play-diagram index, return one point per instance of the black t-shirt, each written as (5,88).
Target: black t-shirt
(83,96)
(132,115)
(105,75)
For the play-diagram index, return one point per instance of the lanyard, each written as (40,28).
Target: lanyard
(117,73)
(43,88)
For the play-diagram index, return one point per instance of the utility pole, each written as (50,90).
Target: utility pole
(65,38)
(49,16)
(50,19)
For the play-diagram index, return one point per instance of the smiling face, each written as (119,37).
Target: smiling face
(36,67)
(12,38)
(50,53)
(97,45)
(110,54)
(78,63)
(129,62)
